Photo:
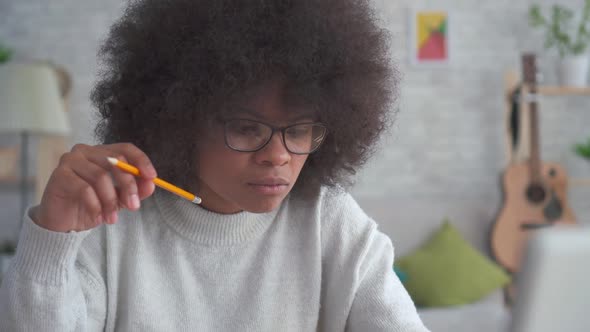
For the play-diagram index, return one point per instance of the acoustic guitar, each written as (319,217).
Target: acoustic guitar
(535,193)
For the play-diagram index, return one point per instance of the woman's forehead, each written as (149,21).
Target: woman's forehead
(270,100)
(282,114)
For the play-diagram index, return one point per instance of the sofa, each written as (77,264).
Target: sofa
(409,224)
(487,315)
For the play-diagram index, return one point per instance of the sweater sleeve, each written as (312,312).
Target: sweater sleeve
(381,303)
(359,288)
(48,287)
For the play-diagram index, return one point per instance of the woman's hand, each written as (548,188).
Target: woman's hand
(81,193)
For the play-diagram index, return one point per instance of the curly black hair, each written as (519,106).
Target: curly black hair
(169,66)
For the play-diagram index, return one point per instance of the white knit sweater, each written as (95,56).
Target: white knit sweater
(173,266)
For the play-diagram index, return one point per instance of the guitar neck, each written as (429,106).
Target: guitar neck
(529,67)
(535,158)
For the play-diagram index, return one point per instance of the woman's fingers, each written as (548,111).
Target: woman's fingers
(126,186)
(129,193)
(85,190)
(135,157)
(145,188)
(100,181)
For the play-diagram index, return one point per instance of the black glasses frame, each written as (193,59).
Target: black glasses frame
(274,129)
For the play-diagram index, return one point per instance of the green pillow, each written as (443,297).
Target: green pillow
(447,270)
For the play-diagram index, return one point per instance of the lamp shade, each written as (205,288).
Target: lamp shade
(30,100)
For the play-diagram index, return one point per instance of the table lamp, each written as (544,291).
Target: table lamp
(30,103)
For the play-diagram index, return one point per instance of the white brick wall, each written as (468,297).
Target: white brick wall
(445,152)
(447,148)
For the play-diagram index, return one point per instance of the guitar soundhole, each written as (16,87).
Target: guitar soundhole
(535,193)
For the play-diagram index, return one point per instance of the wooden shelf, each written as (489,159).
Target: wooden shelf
(564,91)
(579,181)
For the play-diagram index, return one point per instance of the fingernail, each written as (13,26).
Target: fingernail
(134,201)
(113,217)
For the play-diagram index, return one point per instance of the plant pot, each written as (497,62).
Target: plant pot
(573,70)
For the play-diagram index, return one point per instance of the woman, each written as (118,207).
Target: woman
(265,109)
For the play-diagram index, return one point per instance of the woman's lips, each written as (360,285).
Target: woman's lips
(269,189)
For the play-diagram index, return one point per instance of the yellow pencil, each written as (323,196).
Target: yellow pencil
(157,181)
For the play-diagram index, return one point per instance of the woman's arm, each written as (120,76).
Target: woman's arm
(360,291)
(381,303)
(48,287)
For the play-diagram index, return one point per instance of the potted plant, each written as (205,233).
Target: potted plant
(571,40)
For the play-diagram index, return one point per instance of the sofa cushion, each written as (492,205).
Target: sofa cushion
(489,314)
(447,270)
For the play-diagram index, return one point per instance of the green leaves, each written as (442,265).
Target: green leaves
(560,33)
(536,19)
(5,54)
(583,150)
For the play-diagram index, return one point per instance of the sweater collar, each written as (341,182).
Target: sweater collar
(203,226)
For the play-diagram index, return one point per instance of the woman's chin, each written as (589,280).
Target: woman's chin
(263,206)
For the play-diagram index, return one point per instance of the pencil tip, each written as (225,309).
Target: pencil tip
(113,161)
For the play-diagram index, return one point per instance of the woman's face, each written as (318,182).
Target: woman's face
(232,181)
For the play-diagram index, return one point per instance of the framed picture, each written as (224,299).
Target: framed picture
(429,37)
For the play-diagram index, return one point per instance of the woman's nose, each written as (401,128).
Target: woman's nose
(275,152)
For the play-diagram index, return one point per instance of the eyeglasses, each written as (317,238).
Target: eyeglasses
(250,136)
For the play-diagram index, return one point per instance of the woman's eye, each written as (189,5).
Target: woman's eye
(249,130)
(297,132)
